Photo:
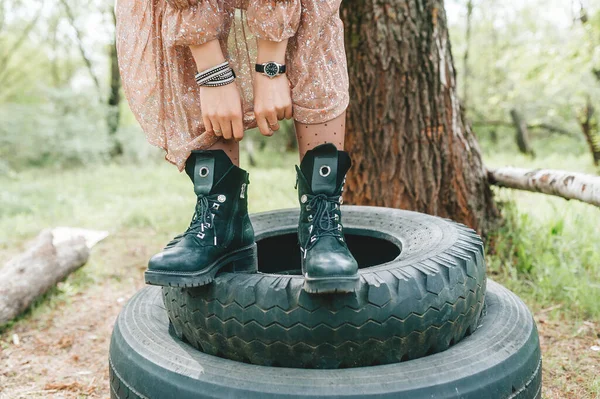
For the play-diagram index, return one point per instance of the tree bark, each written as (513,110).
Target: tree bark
(568,185)
(410,143)
(38,269)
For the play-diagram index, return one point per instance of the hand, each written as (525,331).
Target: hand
(272,102)
(222,111)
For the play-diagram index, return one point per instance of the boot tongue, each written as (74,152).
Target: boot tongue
(324,168)
(206,168)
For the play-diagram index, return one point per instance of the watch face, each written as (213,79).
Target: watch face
(271,69)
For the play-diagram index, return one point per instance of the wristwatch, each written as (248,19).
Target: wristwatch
(270,69)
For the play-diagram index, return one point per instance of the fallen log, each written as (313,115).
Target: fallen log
(568,185)
(49,259)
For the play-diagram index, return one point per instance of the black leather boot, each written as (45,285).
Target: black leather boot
(220,234)
(327,264)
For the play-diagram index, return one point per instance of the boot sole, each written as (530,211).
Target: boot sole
(243,260)
(331,285)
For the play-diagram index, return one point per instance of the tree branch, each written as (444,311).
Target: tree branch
(568,185)
(544,126)
(5,60)
(79,36)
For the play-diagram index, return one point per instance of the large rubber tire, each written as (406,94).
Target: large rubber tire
(422,290)
(501,360)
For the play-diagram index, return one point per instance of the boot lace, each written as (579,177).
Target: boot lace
(203,219)
(325,219)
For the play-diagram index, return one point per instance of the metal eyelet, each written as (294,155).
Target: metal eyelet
(341,200)
(336,217)
(221,198)
(204,171)
(310,229)
(308,208)
(339,227)
(215,206)
(304,198)
(313,238)
(324,170)
(310,218)
(200,235)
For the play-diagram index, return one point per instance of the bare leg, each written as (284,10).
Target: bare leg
(231,148)
(310,136)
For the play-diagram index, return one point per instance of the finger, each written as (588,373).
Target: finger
(207,125)
(226,127)
(238,128)
(216,126)
(280,113)
(288,112)
(263,126)
(272,121)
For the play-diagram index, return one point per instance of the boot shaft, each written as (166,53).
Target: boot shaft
(321,177)
(221,188)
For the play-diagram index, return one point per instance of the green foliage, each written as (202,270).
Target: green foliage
(534,56)
(66,130)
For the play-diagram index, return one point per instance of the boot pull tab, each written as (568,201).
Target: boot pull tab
(324,176)
(204,172)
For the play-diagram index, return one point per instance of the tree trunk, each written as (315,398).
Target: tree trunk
(589,127)
(38,269)
(568,185)
(410,143)
(466,69)
(521,133)
(114,97)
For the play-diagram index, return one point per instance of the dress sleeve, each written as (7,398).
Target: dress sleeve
(193,22)
(274,20)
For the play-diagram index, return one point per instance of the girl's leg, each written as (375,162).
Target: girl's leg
(310,136)
(231,148)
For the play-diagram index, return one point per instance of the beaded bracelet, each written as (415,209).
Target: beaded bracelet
(219,75)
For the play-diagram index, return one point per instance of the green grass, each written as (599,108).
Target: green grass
(548,250)
(154,198)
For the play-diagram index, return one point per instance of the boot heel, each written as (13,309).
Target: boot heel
(246,264)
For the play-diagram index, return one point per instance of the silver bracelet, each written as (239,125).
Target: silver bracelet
(219,75)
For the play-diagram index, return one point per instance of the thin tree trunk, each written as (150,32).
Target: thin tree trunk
(114,97)
(466,69)
(406,132)
(521,133)
(568,185)
(589,127)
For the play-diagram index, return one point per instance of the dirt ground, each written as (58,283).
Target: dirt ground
(61,351)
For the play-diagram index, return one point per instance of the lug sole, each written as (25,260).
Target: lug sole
(331,285)
(243,260)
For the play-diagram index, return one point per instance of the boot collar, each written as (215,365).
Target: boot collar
(324,168)
(207,169)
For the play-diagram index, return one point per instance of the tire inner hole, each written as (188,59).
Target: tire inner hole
(280,254)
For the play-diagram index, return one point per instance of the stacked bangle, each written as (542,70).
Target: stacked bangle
(218,75)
